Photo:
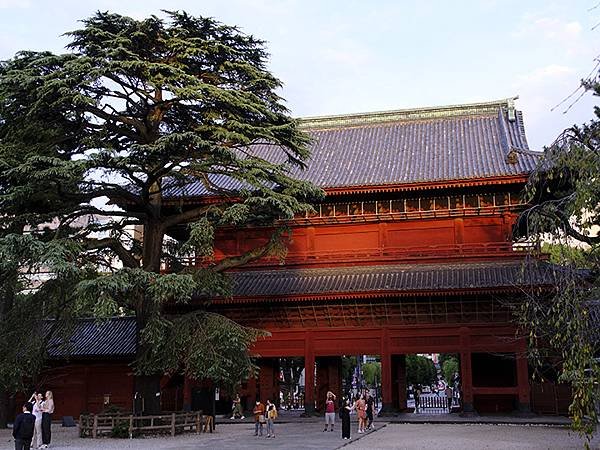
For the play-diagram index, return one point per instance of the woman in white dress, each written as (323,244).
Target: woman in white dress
(36,400)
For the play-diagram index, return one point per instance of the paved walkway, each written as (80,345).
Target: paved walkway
(309,435)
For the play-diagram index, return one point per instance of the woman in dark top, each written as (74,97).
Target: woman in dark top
(345,416)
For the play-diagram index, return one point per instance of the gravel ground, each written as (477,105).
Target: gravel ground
(292,436)
(467,437)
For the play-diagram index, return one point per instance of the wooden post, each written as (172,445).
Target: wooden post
(309,375)
(524,405)
(172,424)
(131,427)
(198,422)
(95,427)
(187,394)
(466,371)
(386,374)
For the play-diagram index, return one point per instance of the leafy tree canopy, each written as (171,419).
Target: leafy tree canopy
(565,193)
(420,370)
(101,140)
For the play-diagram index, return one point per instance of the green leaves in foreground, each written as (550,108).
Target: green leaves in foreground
(202,345)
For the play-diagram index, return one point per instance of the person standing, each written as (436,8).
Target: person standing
(36,400)
(449,398)
(370,411)
(259,418)
(47,411)
(23,428)
(417,398)
(237,408)
(361,412)
(271,416)
(329,411)
(345,416)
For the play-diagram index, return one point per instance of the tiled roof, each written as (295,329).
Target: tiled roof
(392,279)
(459,142)
(92,338)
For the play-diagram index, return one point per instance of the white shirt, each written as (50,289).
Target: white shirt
(37,410)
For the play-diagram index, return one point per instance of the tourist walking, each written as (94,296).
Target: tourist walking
(329,411)
(417,398)
(345,416)
(236,408)
(47,411)
(259,418)
(271,416)
(449,398)
(36,401)
(361,411)
(23,428)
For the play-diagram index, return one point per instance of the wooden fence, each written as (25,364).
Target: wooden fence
(98,425)
(434,404)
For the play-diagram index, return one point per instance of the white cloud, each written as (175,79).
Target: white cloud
(549,28)
(565,35)
(543,95)
(546,74)
(7,4)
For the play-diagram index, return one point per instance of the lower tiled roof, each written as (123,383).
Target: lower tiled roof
(393,279)
(93,338)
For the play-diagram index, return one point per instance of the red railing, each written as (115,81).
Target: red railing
(401,255)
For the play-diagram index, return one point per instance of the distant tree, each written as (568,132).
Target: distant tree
(371,372)
(136,111)
(565,193)
(420,370)
(449,367)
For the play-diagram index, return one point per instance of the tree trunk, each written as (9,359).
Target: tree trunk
(4,408)
(147,386)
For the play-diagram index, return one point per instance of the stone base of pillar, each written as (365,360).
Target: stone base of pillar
(309,411)
(387,410)
(523,410)
(468,410)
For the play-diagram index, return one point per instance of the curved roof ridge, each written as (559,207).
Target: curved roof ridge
(429,112)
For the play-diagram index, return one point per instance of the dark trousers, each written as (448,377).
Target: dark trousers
(22,444)
(369,418)
(46,432)
(346,426)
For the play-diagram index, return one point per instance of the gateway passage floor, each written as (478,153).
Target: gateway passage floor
(309,435)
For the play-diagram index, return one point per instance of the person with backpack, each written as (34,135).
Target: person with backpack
(271,416)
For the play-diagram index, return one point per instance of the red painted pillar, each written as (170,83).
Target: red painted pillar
(386,373)
(252,389)
(187,394)
(401,380)
(268,379)
(523,377)
(309,375)
(335,376)
(466,371)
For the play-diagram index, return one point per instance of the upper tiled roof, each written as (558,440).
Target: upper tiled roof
(93,338)
(447,143)
(392,279)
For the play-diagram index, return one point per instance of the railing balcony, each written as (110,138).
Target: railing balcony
(407,255)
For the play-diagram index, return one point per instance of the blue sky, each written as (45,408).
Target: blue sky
(338,57)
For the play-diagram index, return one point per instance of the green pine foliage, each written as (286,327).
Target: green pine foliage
(98,141)
(565,194)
